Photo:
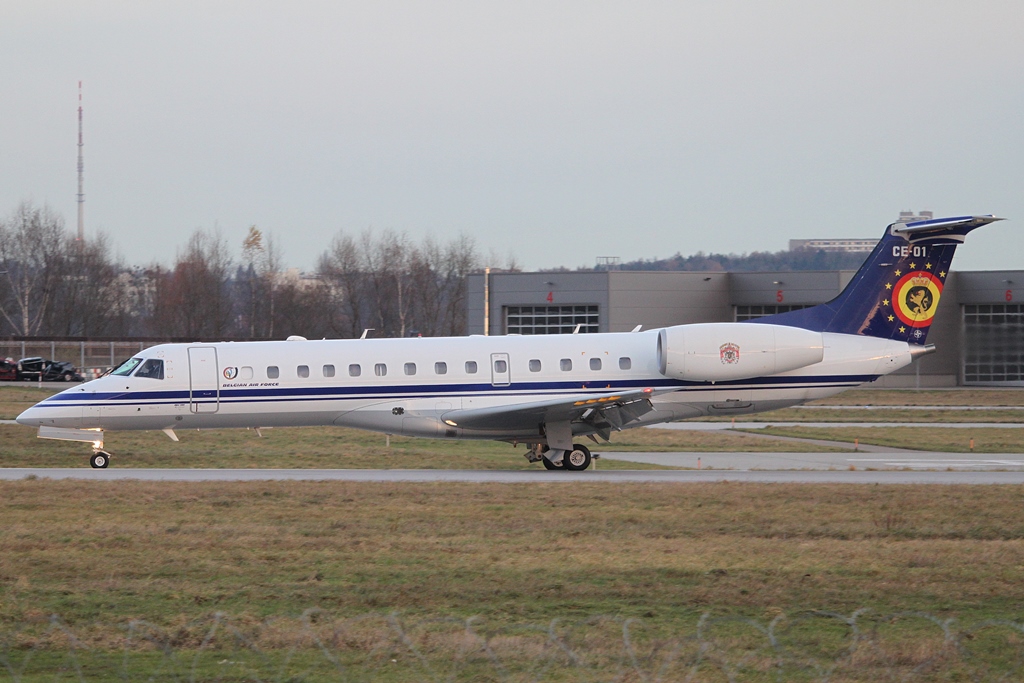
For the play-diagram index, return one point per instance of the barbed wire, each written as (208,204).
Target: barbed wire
(806,646)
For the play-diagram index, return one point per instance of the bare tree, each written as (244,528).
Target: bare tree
(340,270)
(85,296)
(256,282)
(193,299)
(32,248)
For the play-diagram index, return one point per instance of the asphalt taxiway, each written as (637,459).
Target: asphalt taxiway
(789,468)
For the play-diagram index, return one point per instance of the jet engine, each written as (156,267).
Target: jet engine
(715,352)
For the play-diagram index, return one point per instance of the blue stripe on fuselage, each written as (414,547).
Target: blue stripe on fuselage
(406,392)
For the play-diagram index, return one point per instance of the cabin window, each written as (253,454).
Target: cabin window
(328,371)
(470,367)
(500,367)
(302,371)
(595,363)
(380,369)
(245,372)
(565,364)
(354,370)
(152,368)
(273,372)
(535,365)
(410,368)
(625,363)
(127,367)
(440,368)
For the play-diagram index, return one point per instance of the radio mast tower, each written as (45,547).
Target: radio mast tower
(81,174)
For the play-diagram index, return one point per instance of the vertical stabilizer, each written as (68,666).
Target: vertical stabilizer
(896,291)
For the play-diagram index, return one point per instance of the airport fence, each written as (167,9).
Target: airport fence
(316,646)
(92,358)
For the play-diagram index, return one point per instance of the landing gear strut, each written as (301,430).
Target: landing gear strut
(100,460)
(548,465)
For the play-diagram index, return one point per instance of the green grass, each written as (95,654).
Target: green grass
(944,439)
(953,396)
(900,416)
(101,554)
(15,398)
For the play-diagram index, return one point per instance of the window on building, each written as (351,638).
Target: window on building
(273,372)
(595,363)
(625,363)
(565,364)
(328,371)
(551,319)
(355,370)
(993,343)
(302,371)
(470,367)
(440,368)
(535,365)
(380,369)
(752,312)
(410,368)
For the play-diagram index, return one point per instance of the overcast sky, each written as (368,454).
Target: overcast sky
(557,131)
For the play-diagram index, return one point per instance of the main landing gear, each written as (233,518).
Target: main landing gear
(100,460)
(576,460)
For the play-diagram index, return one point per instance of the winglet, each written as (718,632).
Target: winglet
(941,230)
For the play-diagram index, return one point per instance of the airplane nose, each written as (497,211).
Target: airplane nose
(31,417)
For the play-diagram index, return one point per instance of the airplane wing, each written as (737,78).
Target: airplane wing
(604,412)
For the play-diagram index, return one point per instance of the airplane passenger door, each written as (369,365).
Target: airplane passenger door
(204,384)
(501,375)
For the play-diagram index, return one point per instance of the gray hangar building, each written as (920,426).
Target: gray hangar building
(978,330)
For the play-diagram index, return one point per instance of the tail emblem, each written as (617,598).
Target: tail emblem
(916,295)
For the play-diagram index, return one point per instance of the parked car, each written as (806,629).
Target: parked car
(30,369)
(8,370)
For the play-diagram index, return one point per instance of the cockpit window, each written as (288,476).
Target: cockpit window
(152,368)
(126,367)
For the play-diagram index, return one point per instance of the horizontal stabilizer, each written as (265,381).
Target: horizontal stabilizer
(949,229)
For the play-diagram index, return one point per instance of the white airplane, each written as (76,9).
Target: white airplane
(543,391)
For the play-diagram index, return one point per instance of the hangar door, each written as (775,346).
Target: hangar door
(204,384)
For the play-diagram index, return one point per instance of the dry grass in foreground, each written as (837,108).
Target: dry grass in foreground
(101,553)
(254,557)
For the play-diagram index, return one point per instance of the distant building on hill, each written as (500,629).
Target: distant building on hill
(856,245)
(851,245)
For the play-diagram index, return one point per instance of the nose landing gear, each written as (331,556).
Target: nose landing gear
(100,460)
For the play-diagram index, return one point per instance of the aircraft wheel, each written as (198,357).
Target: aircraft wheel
(578,459)
(99,460)
(548,465)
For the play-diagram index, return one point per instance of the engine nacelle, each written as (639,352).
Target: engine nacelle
(715,352)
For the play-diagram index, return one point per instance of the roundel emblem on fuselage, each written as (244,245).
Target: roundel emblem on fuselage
(230,373)
(915,297)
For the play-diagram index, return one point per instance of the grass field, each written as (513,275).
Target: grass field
(220,574)
(946,439)
(881,414)
(954,396)
(175,554)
